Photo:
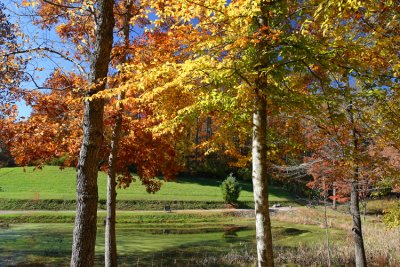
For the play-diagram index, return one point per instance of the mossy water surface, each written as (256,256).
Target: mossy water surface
(166,245)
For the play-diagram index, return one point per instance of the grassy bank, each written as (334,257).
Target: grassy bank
(54,189)
(155,205)
(146,219)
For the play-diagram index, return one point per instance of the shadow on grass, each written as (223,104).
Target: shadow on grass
(294,231)
(185,179)
(247,187)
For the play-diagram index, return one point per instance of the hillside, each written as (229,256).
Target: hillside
(51,183)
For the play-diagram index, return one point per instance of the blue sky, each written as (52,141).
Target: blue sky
(23,109)
(19,16)
(47,38)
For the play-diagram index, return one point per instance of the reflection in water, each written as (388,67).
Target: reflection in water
(50,244)
(232,231)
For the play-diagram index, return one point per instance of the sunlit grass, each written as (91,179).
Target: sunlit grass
(53,183)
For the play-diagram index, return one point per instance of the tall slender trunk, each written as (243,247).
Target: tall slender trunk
(84,236)
(265,255)
(110,248)
(334,196)
(197,140)
(364,198)
(326,226)
(361,260)
(260,182)
(209,128)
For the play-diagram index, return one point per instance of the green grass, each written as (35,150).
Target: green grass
(380,206)
(374,206)
(138,218)
(53,183)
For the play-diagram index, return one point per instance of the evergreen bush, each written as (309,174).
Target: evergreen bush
(230,189)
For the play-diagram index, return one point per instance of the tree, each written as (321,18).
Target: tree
(230,189)
(246,65)
(55,119)
(360,45)
(53,129)
(12,73)
(239,57)
(110,235)
(341,155)
(12,66)
(83,247)
(102,20)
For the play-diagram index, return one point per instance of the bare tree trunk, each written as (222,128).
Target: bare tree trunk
(361,260)
(334,196)
(110,253)
(209,128)
(265,255)
(84,237)
(197,140)
(260,182)
(364,198)
(327,226)
(110,248)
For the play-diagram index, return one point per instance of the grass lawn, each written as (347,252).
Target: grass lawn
(146,219)
(53,183)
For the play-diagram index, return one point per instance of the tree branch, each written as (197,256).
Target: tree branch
(60,5)
(50,50)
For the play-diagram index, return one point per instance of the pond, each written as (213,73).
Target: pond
(50,244)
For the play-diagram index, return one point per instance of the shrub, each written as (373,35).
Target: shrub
(392,216)
(383,188)
(230,189)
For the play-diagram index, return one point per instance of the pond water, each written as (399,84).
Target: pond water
(50,244)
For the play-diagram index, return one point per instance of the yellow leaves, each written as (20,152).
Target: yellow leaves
(396,70)
(256,7)
(27,3)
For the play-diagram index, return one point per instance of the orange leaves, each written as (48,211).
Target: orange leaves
(11,65)
(265,34)
(53,129)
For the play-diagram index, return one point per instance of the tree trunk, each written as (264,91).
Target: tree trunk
(197,141)
(361,260)
(326,226)
(265,255)
(334,196)
(209,128)
(84,237)
(260,182)
(110,249)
